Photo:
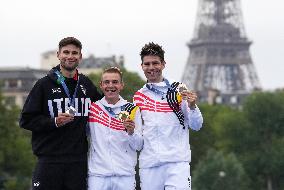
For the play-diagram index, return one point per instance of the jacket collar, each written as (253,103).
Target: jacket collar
(120,103)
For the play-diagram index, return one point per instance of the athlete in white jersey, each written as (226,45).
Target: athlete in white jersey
(115,136)
(168,111)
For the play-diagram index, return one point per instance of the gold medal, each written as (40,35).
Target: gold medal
(181,88)
(122,116)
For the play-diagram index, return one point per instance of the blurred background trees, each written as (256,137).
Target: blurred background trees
(16,158)
(236,148)
(253,134)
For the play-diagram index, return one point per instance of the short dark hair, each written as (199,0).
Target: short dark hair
(152,49)
(70,40)
(113,70)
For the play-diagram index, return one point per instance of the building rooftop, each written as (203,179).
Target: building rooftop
(21,73)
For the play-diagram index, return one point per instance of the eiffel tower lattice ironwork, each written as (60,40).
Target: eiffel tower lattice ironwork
(219,57)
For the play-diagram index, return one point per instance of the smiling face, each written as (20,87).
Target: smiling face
(69,56)
(111,85)
(153,67)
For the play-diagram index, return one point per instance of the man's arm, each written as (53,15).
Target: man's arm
(32,117)
(134,130)
(192,115)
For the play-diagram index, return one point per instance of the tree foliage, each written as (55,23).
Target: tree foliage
(16,159)
(219,171)
(209,135)
(264,155)
(255,135)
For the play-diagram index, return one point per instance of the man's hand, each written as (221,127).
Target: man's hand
(191,98)
(129,126)
(63,118)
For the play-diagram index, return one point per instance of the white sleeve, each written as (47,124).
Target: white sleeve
(136,139)
(192,117)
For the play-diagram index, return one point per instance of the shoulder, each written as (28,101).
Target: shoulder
(84,78)
(97,105)
(86,81)
(142,89)
(42,82)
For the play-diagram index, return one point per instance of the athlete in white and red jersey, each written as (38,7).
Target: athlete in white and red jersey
(112,153)
(167,115)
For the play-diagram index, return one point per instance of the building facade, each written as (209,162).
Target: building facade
(17,82)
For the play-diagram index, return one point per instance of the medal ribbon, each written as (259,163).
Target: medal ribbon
(111,112)
(153,89)
(62,81)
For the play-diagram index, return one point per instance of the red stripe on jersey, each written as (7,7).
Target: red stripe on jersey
(98,115)
(143,97)
(97,110)
(147,104)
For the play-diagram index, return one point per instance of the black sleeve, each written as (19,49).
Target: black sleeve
(32,117)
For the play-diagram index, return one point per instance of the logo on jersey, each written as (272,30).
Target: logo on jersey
(84,90)
(36,184)
(56,90)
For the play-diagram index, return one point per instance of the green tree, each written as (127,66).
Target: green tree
(16,159)
(265,114)
(218,171)
(256,136)
(208,137)
(132,83)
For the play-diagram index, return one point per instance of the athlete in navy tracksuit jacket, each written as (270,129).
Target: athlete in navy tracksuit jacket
(61,148)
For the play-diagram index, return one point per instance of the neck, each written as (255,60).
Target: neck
(66,73)
(157,80)
(112,100)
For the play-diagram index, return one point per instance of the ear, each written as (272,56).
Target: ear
(122,85)
(101,85)
(164,64)
(57,54)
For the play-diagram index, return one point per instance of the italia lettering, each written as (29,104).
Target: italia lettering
(82,105)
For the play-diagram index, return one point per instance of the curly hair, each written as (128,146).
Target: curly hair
(70,40)
(152,49)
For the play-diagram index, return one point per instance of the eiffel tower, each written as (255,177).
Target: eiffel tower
(219,67)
